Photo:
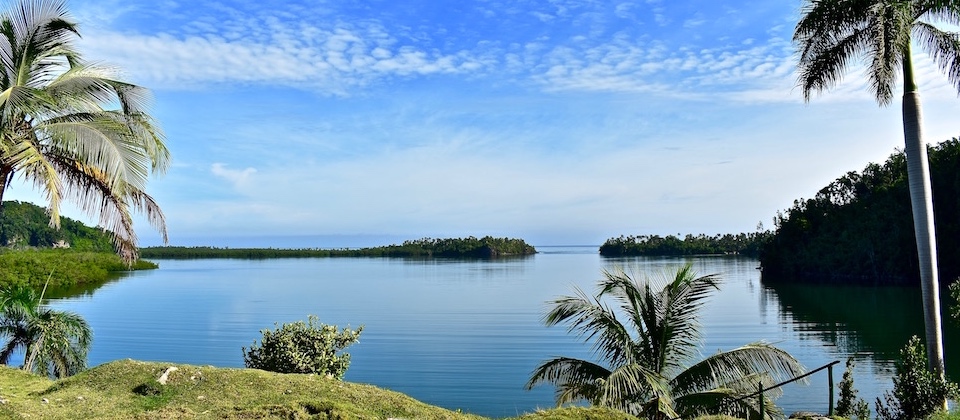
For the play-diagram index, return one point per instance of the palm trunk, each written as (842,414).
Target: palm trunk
(921,199)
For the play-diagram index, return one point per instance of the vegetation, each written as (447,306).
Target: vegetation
(645,368)
(59,131)
(858,228)
(917,392)
(26,225)
(849,405)
(303,348)
(831,35)
(108,392)
(747,244)
(62,268)
(470,247)
(53,342)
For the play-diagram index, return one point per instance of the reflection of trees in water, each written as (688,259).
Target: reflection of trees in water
(877,320)
(83,289)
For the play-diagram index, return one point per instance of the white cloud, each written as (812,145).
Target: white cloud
(239,178)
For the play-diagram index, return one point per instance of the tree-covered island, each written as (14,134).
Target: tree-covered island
(469,247)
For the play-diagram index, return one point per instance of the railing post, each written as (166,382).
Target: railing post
(760,391)
(830,378)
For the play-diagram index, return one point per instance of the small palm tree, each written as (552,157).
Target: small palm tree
(53,342)
(58,129)
(645,357)
(832,34)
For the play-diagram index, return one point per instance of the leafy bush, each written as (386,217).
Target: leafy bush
(850,406)
(917,393)
(301,347)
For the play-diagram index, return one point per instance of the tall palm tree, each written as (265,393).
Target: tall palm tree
(72,128)
(833,33)
(53,342)
(645,359)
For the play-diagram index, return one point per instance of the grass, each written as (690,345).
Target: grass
(129,389)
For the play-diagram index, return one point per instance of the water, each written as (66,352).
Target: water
(467,334)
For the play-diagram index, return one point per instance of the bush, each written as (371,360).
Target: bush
(917,393)
(850,406)
(303,348)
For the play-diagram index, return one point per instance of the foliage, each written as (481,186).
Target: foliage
(748,244)
(849,405)
(28,225)
(62,268)
(303,348)
(470,247)
(53,342)
(917,393)
(71,127)
(955,293)
(645,368)
(859,227)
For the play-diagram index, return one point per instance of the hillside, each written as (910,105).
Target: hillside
(25,225)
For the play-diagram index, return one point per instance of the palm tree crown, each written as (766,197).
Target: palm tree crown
(72,128)
(53,342)
(832,34)
(646,341)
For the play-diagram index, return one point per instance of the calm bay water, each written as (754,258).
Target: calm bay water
(467,334)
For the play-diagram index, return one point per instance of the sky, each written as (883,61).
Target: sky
(560,122)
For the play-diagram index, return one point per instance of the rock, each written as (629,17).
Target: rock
(807,415)
(163,378)
(44,400)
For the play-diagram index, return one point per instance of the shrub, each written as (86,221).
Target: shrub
(917,393)
(301,347)
(850,406)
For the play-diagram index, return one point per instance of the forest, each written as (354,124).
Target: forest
(26,225)
(470,247)
(746,244)
(859,228)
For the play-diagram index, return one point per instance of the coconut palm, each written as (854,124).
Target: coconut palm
(60,131)
(53,342)
(830,35)
(646,341)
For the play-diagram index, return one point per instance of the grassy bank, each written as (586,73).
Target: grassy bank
(129,389)
(64,268)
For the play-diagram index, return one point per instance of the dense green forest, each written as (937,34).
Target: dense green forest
(24,225)
(748,244)
(859,228)
(471,247)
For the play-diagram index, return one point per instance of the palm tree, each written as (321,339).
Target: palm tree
(58,129)
(52,341)
(833,33)
(644,368)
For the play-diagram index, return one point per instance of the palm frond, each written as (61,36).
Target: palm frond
(729,368)
(591,320)
(944,47)
(575,379)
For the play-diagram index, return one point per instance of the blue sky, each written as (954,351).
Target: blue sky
(559,121)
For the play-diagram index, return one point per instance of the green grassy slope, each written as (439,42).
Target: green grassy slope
(129,389)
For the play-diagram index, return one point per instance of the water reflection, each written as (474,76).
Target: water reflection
(875,320)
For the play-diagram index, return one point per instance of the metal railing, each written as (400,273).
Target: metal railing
(761,389)
(828,367)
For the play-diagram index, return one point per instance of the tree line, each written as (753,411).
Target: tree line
(469,247)
(859,228)
(746,244)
